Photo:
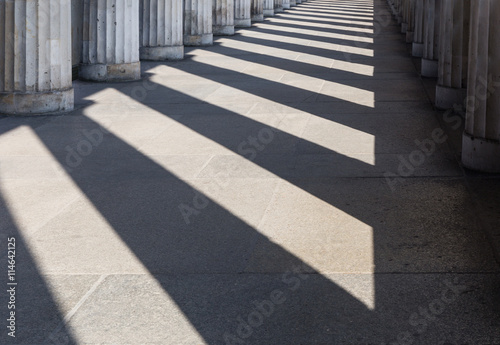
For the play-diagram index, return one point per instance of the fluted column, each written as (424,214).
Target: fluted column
(161,30)
(198,22)
(286,4)
(404,16)
(242,13)
(268,8)
(453,53)
(257,10)
(278,6)
(481,139)
(418,30)
(431,38)
(35,57)
(410,20)
(110,40)
(223,17)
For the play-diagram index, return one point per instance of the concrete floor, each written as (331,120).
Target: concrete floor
(266,190)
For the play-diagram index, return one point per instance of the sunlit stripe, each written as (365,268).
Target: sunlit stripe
(310,43)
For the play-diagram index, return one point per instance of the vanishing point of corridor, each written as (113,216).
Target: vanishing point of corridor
(291,184)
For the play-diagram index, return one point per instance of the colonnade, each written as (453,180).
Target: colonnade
(457,41)
(37,42)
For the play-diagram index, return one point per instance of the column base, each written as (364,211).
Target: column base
(417,49)
(111,73)
(268,13)
(257,18)
(480,154)
(409,36)
(243,23)
(298,1)
(404,28)
(429,68)
(278,9)
(199,40)
(162,53)
(223,30)
(36,103)
(293,3)
(286,6)
(447,97)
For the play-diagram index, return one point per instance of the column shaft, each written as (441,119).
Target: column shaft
(242,13)
(110,41)
(268,8)
(35,57)
(223,17)
(453,53)
(198,22)
(410,21)
(418,31)
(257,10)
(431,38)
(481,139)
(278,6)
(161,30)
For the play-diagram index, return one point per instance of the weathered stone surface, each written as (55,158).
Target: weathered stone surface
(110,41)
(161,28)
(35,57)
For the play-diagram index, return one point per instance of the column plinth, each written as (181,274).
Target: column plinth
(35,57)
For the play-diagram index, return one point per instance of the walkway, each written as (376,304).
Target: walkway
(271,189)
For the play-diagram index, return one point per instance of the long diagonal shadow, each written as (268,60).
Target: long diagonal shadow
(27,293)
(201,264)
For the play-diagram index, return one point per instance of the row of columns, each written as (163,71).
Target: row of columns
(458,43)
(36,35)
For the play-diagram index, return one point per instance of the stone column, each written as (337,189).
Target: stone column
(257,10)
(286,4)
(404,16)
(481,139)
(223,17)
(292,3)
(35,57)
(410,20)
(268,8)
(110,41)
(198,23)
(418,31)
(242,13)
(431,38)
(278,6)
(161,29)
(453,53)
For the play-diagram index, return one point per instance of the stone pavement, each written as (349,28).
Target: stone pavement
(290,185)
